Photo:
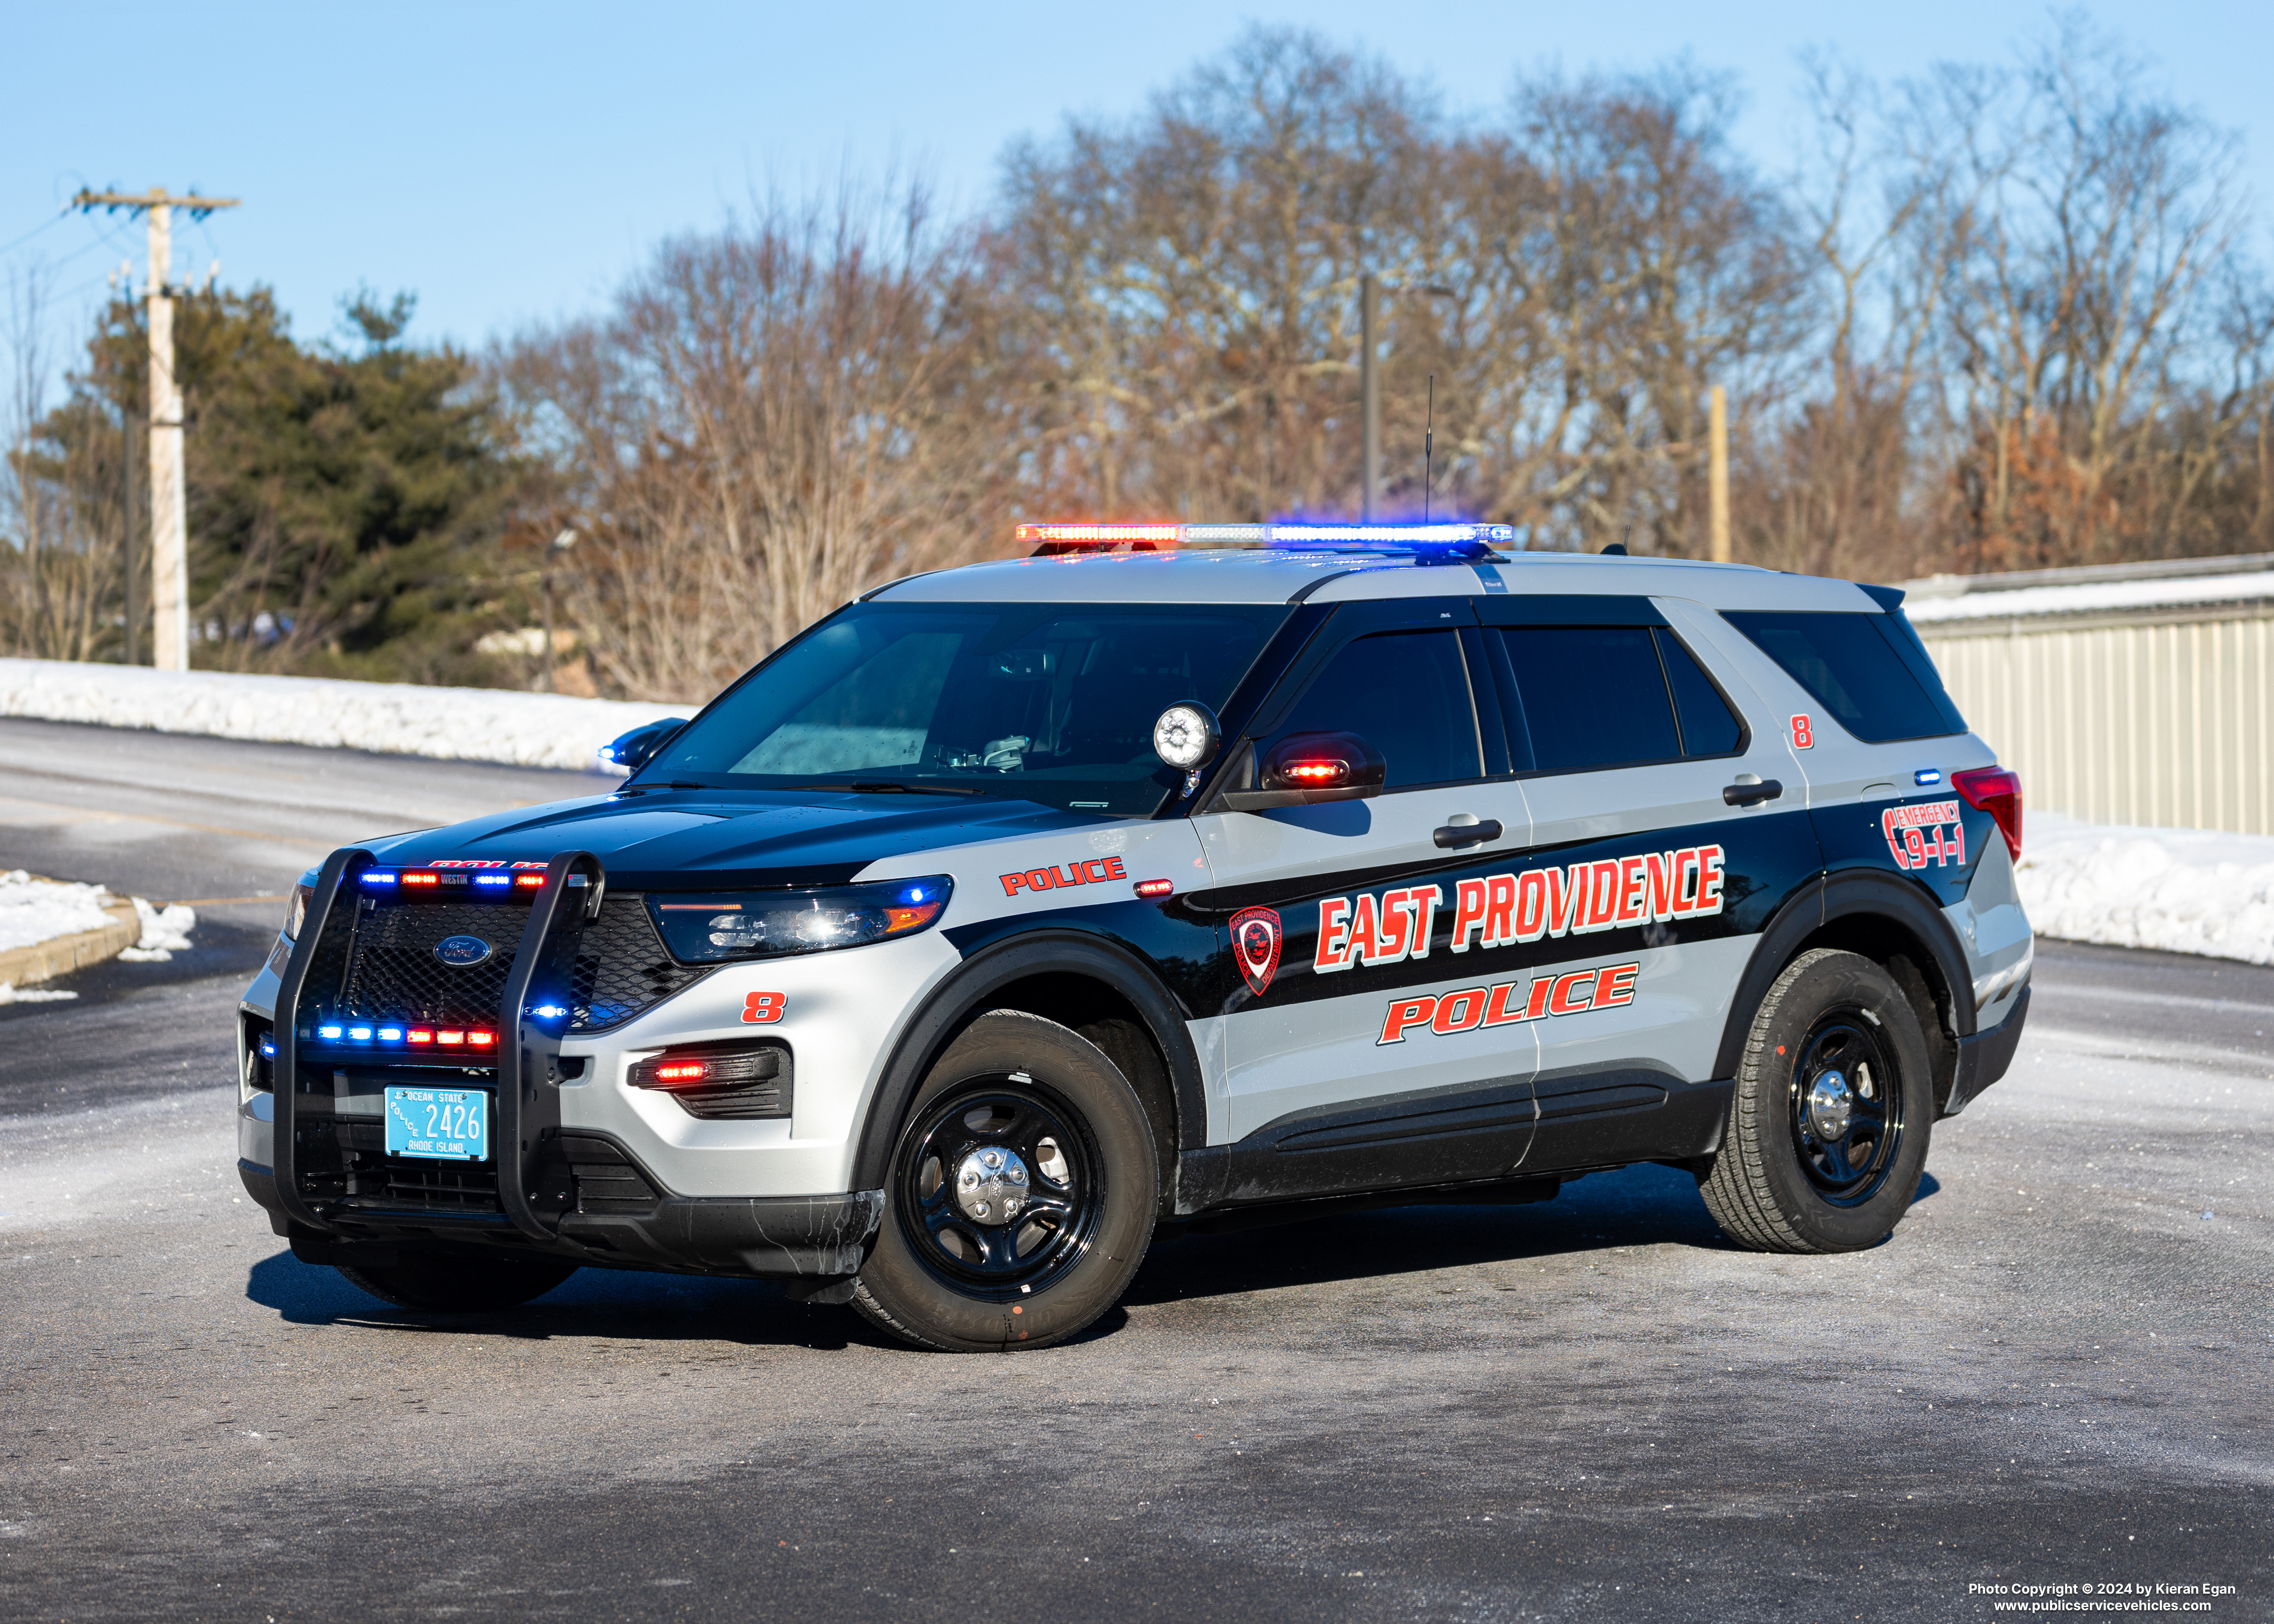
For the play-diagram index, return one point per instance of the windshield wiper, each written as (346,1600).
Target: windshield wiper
(874,787)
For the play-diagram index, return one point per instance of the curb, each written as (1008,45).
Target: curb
(21,966)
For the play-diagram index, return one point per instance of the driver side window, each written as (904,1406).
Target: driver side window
(1404,693)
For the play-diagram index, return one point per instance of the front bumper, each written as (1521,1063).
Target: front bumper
(766,1237)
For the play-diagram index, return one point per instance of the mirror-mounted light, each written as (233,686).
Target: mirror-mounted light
(635,749)
(1304,767)
(1187,737)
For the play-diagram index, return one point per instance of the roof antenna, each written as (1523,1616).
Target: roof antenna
(1428,446)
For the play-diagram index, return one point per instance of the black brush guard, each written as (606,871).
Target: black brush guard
(816,1240)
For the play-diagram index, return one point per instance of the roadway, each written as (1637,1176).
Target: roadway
(2052,1373)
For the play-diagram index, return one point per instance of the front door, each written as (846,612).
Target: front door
(1339,917)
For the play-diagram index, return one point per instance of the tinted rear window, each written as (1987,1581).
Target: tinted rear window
(1613,696)
(1854,667)
(1593,695)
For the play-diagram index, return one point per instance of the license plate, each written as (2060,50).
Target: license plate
(439,1124)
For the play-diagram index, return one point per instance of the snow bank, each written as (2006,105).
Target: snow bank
(402,718)
(35,911)
(2183,891)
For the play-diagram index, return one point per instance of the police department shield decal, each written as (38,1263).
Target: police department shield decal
(1255,945)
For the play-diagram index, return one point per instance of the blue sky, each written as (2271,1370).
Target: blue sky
(510,163)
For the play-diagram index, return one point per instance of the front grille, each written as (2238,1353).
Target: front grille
(394,975)
(621,969)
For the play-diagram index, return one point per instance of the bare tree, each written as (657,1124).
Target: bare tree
(772,420)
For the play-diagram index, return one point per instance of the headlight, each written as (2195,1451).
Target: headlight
(772,923)
(296,912)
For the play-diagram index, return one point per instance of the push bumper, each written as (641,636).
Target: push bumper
(1983,1057)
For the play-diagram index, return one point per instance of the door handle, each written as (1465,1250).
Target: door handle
(1748,790)
(1468,832)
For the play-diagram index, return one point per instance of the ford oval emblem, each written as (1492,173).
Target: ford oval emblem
(460,952)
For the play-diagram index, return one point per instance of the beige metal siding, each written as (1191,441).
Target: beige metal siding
(2161,720)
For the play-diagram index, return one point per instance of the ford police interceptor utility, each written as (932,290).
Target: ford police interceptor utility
(1018,909)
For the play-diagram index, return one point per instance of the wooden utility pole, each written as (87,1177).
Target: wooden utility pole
(169,532)
(1717,471)
(1370,402)
(129,547)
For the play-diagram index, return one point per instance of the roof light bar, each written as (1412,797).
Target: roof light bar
(1051,539)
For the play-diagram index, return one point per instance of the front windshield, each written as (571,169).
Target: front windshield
(1048,702)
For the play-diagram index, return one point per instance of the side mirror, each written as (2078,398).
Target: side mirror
(1305,768)
(635,749)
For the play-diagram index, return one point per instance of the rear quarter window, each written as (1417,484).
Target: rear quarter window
(1859,668)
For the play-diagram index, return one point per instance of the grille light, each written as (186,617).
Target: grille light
(481,1040)
(494,879)
(390,1035)
(359,1035)
(417,876)
(422,1034)
(334,1033)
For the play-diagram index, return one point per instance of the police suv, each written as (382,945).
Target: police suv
(1169,875)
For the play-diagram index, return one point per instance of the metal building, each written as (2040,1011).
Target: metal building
(2122,693)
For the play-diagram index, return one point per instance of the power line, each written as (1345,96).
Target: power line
(60,217)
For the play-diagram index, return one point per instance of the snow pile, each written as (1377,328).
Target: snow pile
(402,718)
(10,993)
(165,931)
(33,911)
(2183,891)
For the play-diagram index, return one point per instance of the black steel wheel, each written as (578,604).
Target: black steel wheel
(1830,1117)
(1022,1193)
(1001,1188)
(1847,1123)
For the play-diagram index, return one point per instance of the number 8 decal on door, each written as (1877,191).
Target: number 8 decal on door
(1802,738)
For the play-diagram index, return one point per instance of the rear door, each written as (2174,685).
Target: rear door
(1338,915)
(1667,823)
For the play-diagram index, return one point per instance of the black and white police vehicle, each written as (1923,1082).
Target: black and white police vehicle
(1019,909)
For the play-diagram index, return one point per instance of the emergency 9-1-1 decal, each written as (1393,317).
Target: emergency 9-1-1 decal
(1930,832)
(1498,910)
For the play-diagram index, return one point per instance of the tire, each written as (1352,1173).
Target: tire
(1021,1194)
(1828,1124)
(458,1284)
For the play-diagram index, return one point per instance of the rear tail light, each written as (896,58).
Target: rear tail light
(1998,792)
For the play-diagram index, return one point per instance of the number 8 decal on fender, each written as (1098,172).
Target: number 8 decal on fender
(765,1008)
(1802,737)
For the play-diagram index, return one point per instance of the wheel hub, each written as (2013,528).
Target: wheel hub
(1829,1105)
(991,1185)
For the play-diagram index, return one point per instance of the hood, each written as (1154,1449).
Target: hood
(704,839)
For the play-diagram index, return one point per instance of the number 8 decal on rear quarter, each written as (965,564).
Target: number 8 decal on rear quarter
(1802,737)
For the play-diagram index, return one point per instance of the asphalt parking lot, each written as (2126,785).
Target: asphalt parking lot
(2054,1372)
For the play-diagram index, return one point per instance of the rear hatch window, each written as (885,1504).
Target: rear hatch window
(1870,671)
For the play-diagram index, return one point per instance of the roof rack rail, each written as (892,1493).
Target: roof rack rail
(1463,542)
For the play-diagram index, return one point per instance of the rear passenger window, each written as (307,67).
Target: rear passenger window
(1708,727)
(1593,695)
(1613,696)
(1853,667)
(1404,693)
